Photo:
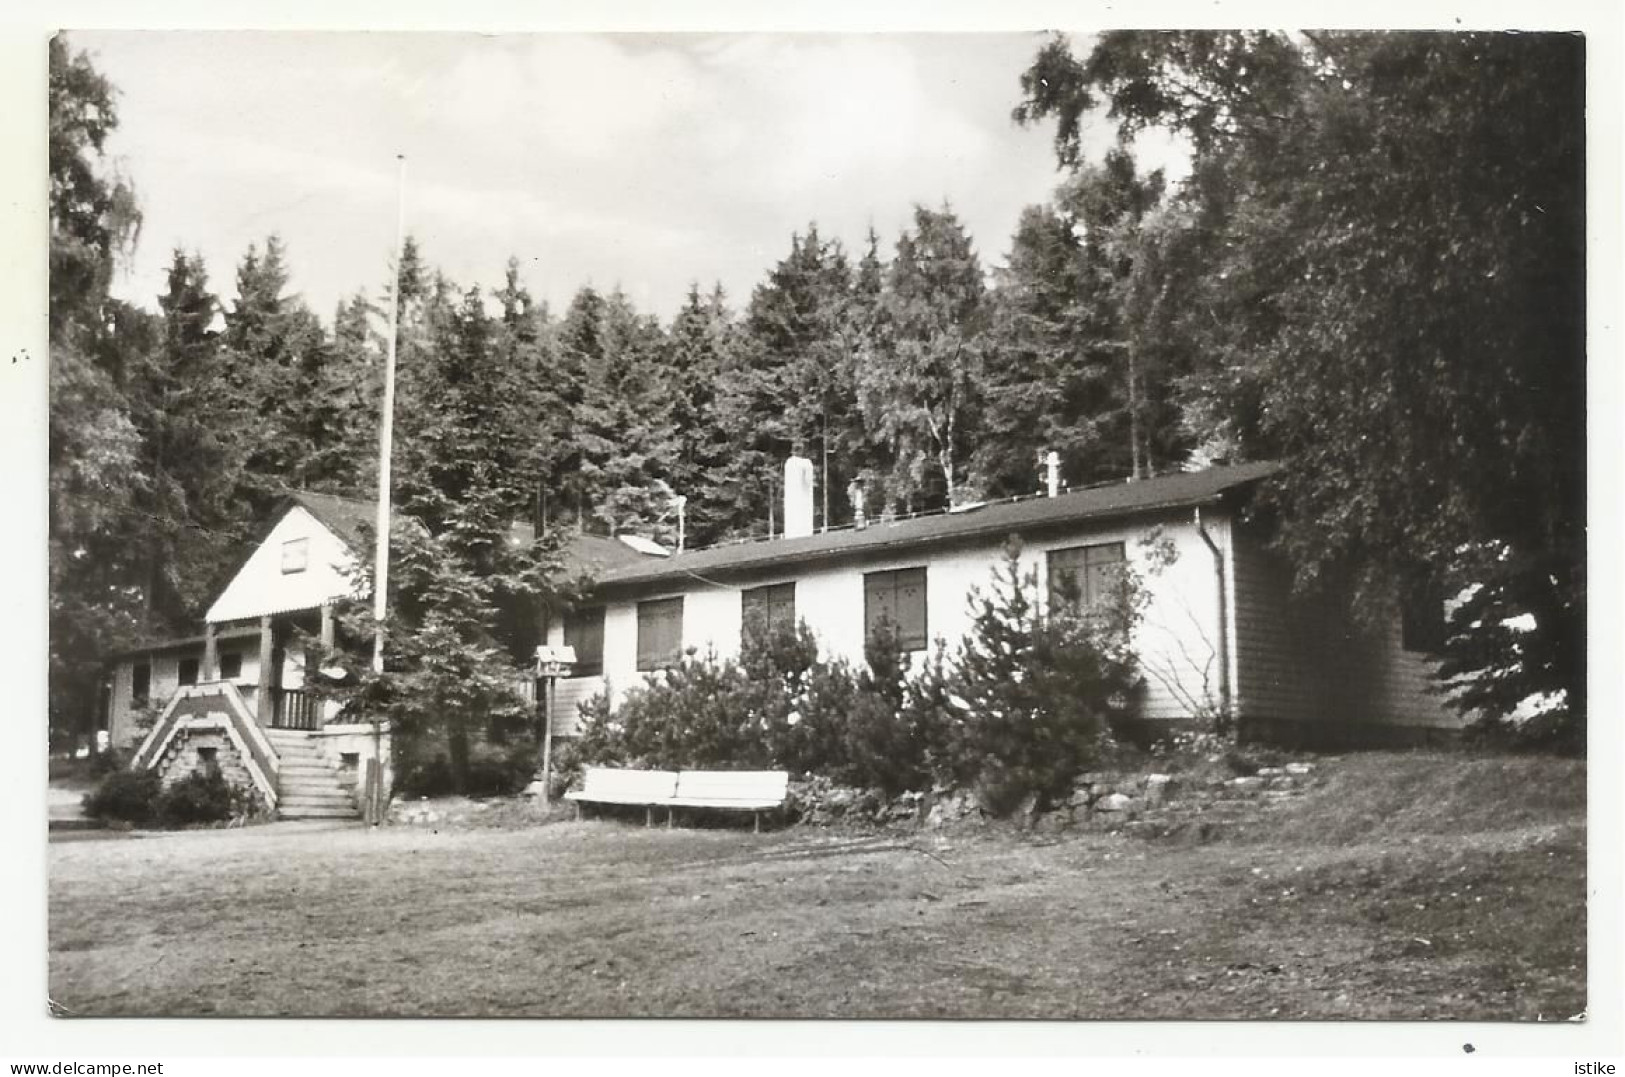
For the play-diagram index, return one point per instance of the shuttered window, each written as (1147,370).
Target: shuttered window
(898,599)
(584,630)
(660,634)
(1084,576)
(295,555)
(767,609)
(1422,626)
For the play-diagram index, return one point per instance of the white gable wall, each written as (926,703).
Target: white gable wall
(261,588)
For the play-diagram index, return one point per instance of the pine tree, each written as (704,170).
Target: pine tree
(698,346)
(183,408)
(920,385)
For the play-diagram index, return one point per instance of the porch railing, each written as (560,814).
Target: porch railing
(295,708)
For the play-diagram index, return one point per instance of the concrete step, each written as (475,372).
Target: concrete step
(284,745)
(292,804)
(303,769)
(307,755)
(323,785)
(317,813)
(330,793)
(301,781)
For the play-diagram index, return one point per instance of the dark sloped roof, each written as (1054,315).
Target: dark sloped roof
(183,643)
(349,518)
(353,519)
(989,521)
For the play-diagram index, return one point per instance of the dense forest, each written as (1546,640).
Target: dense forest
(1374,273)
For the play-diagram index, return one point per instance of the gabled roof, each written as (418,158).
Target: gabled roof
(353,519)
(992,521)
(349,518)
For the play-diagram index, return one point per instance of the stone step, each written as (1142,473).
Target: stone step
(317,767)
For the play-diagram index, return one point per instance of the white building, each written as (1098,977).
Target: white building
(1221,631)
(236,696)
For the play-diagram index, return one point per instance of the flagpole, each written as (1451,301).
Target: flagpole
(386,437)
(376,795)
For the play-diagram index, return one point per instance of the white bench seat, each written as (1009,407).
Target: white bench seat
(604,785)
(754,791)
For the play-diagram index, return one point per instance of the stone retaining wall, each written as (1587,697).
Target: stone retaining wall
(1139,802)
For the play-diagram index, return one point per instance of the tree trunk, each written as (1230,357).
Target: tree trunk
(457,747)
(1133,416)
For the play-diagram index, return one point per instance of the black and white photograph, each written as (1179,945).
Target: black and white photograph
(1079,525)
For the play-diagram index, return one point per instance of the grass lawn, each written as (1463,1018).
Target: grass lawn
(1401,886)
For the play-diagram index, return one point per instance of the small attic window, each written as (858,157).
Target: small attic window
(295,555)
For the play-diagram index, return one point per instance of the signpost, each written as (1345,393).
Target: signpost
(551,664)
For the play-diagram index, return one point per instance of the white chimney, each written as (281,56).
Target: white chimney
(798,497)
(1052,472)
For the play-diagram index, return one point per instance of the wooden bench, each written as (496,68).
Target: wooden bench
(754,791)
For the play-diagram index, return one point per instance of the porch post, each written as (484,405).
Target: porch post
(211,655)
(327,626)
(264,706)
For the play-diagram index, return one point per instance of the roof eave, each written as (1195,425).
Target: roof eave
(771,559)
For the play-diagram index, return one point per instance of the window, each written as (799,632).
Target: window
(584,630)
(660,633)
(295,555)
(188,671)
(231,666)
(767,609)
(896,599)
(1422,628)
(141,684)
(1084,576)
(208,759)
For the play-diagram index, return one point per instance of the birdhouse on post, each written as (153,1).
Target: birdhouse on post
(551,664)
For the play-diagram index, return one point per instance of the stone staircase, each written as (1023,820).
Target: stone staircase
(308,787)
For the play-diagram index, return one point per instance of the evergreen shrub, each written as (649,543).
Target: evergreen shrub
(125,796)
(1017,712)
(204,796)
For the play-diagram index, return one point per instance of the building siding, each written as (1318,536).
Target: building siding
(1304,663)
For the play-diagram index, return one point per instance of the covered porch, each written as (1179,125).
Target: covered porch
(273,671)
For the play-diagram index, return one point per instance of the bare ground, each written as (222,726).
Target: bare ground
(1401,886)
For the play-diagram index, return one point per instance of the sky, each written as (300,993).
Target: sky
(644,161)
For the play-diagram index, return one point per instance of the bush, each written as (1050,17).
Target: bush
(125,796)
(492,770)
(108,762)
(200,797)
(1021,712)
(1038,687)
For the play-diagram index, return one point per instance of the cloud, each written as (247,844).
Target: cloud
(648,160)
(589,98)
